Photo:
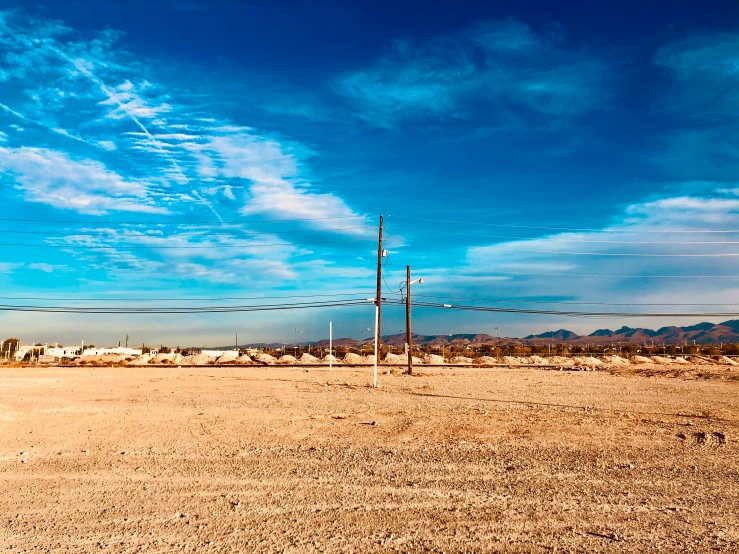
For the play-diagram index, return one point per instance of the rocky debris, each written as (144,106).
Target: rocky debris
(402,359)
(351,358)
(197,359)
(615,360)
(228,357)
(264,358)
(561,361)
(588,361)
(141,360)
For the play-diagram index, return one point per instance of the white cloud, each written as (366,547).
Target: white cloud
(499,67)
(86,186)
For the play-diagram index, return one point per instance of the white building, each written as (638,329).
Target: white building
(120,350)
(60,352)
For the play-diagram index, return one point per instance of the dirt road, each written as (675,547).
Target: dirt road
(278,459)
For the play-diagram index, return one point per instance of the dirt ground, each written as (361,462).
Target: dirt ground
(268,459)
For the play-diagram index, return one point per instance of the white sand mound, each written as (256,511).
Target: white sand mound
(588,361)
(308,359)
(244,359)
(228,357)
(560,360)
(700,360)
(487,360)
(402,359)
(197,359)
(680,360)
(141,360)
(728,361)
(162,358)
(511,360)
(616,360)
(640,360)
(287,359)
(264,358)
(104,359)
(352,358)
(329,358)
(434,359)
(369,359)
(537,360)
(661,360)
(460,360)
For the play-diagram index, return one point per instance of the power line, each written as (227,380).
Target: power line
(665,231)
(620,276)
(575,303)
(563,313)
(180,309)
(611,275)
(609,254)
(216,223)
(563,239)
(184,234)
(211,299)
(185,247)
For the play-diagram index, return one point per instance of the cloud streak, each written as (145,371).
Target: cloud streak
(503,68)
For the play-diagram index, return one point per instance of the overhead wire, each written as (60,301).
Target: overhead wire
(581,229)
(561,238)
(496,309)
(179,309)
(189,222)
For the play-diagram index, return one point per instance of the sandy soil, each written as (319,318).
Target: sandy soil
(244,459)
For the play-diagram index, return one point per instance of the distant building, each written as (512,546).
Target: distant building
(120,350)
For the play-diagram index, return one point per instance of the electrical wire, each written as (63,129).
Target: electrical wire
(185,247)
(184,234)
(571,253)
(562,313)
(102,222)
(181,309)
(641,231)
(210,299)
(562,239)
(573,303)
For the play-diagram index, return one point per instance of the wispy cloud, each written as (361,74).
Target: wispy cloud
(85,185)
(501,68)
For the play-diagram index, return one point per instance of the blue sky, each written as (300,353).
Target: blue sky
(524,140)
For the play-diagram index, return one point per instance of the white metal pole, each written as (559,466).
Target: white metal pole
(330,344)
(377,354)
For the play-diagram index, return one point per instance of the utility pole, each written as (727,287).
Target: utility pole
(409,337)
(378,295)
(237,341)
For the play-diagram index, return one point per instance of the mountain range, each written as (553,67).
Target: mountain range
(702,333)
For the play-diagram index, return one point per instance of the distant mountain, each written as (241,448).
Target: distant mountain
(561,335)
(703,333)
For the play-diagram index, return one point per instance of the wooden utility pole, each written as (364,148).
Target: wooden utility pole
(409,336)
(378,294)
